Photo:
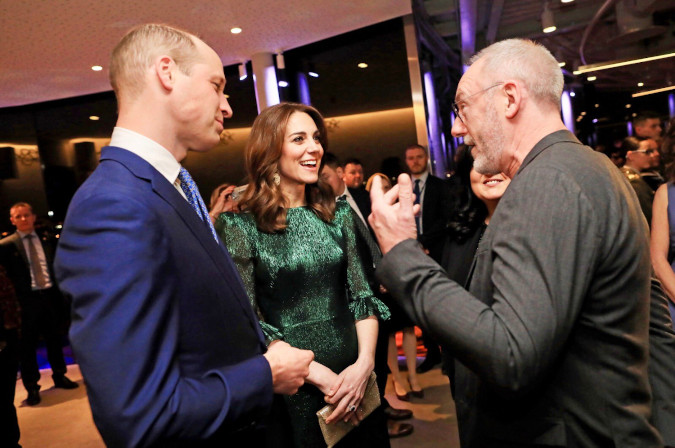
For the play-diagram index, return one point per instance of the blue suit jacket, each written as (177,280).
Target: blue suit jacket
(162,329)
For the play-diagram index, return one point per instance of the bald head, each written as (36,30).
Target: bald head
(526,61)
(140,47)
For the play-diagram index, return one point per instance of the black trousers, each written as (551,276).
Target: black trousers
(9,363)
(41,316)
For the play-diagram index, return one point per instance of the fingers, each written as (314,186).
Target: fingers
(331,397)
(376,191)
(405,194)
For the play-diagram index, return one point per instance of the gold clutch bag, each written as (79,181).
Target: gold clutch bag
(334,432)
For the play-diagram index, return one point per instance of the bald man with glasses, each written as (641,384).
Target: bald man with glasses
(551,334)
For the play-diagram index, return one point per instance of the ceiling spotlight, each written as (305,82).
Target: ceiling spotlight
(313,74)
(561,64)
(96,68)
(283,84)
(595,120)
(640,84)
(235,30)
(597,105)
(566,1)
(94,118)
(281,64)
(572,94)
(583,113)
(547,22)
(627,106)
(362,65)
(591,78)
(242,72)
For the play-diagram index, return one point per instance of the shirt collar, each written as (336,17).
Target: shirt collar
(344,193)
(23,234)
(149,150)
(422,177)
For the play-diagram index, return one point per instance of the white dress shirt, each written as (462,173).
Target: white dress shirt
(152,152)
(41,256)
(423,183)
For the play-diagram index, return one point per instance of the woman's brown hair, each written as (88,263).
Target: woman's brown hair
(263,198)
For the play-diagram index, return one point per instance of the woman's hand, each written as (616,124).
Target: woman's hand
(321,376)
(225,203)
(348,390)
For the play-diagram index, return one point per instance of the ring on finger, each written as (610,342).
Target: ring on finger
(351,408)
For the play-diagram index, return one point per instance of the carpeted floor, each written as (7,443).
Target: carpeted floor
(63,419)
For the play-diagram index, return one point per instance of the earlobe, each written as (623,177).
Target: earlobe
(164,69)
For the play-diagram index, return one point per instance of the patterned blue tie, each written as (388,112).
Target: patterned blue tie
(195,199)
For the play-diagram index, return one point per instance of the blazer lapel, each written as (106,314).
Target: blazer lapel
(215,249)
(19,246)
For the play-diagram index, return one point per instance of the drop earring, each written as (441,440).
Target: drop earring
(276,178)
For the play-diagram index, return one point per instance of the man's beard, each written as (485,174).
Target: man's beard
(488,159)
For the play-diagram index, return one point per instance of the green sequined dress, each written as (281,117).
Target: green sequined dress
(308,288)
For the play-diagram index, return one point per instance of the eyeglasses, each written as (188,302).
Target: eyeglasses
(646,151)
(455,106)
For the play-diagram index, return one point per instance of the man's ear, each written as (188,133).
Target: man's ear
(165,68)
(513,95)
(340,172)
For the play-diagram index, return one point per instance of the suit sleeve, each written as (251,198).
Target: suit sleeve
(231,229)
(537,285)
(126,331)
(362,302)
(433,235)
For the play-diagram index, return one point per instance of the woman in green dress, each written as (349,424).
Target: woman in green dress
(295,249)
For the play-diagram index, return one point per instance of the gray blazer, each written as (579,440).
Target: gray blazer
(552,339)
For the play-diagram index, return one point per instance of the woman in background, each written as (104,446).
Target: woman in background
(475,197)
(295,250)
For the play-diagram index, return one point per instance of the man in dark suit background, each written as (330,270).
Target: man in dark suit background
(29,259)
(433,195)
(332,173)
(552,337)
(352,173)
(169,346)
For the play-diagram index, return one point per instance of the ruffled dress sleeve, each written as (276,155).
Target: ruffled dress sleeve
(362,301)
(238,233)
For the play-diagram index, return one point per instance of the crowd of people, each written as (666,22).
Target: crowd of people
(531,271)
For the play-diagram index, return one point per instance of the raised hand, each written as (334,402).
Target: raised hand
(393,213)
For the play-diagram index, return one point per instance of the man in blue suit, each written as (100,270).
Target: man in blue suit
(168,345)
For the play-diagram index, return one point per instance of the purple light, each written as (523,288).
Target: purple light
(595,120)
(567,112)
(303,89)
(671,105)
(435,149)
(629,127)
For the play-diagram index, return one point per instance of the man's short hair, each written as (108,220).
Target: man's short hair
(415,146)
(20,204)
(353,161)
(643,116)
(526,61)
(138,49)
(331,160)
(630,144)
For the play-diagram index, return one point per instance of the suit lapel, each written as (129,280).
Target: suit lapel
(16,239)
(215,250)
